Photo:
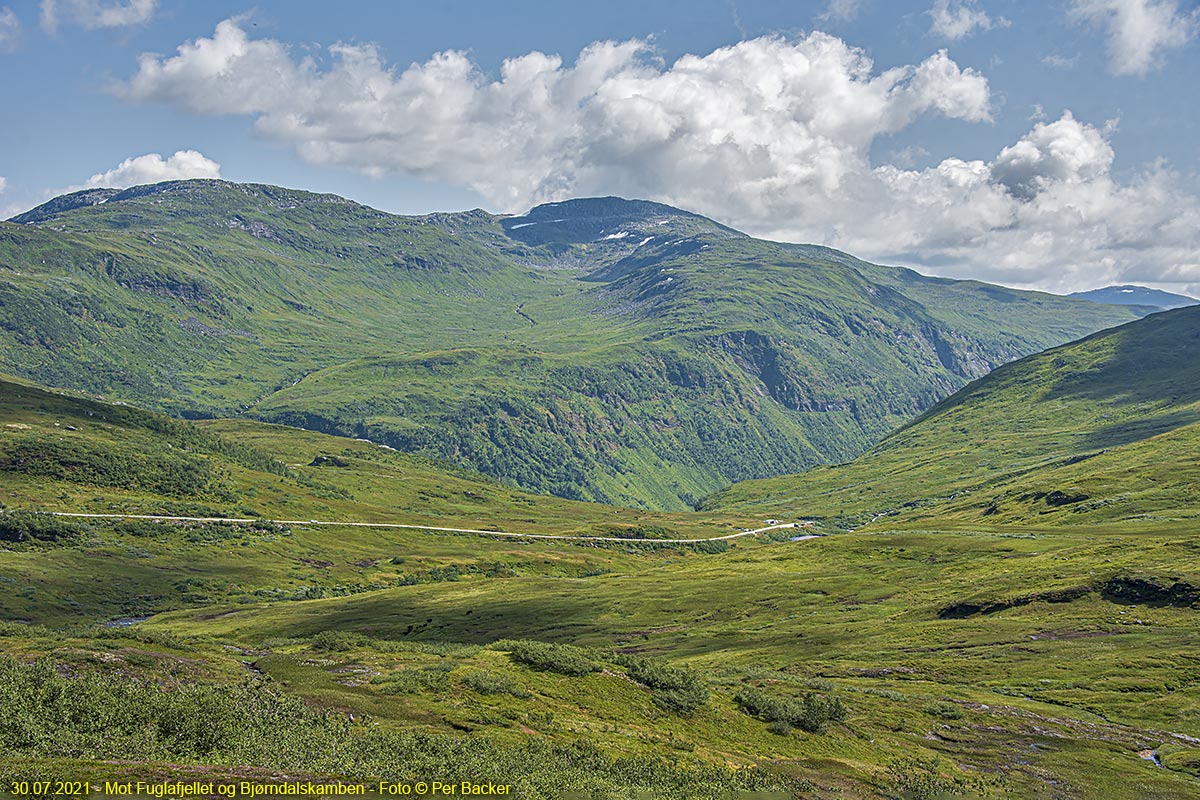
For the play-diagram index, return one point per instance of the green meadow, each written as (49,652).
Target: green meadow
(997,654)
(997,599)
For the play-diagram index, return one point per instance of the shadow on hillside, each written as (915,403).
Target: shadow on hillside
(479,618)
(1154,362)
(485,616)
(1139,429)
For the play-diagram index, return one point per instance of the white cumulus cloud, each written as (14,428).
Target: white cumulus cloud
(1062,152)
(1045,212)
(3,184)
(1138,31)
(93,14)
(958,19)
(10,29)
(769,117)
(773,135)
(153,168)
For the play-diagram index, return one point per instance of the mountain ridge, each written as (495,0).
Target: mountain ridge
(639,354)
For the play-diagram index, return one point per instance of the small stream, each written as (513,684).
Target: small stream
(124,622)
(1151,755)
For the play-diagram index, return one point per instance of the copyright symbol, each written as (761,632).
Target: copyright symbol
(422,787)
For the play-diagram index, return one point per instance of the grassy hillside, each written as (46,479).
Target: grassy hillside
(597,349)
(1101,430)
(992,692)
(1006,655)
(1065,678)
(74,454)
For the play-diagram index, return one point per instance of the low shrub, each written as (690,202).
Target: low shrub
(676,689)
(780,727)
(915,779)
(494,683)
(415,681)
(564,659)
(44,714)
(712,546)
(809,713)
(26,527)
(944,710)
(337,641)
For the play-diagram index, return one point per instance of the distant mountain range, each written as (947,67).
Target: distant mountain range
(599,349)
(1136,296)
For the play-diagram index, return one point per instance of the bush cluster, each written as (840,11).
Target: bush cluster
(44,714)
(168,472)
(453,572)
(676,689)
(21,527)
(712,547)
(944,710)
(561,658)
(416,681)
(809,713)
(494,683)
(916,779)
(337,641)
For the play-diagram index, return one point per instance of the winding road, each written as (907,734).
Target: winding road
(497,534)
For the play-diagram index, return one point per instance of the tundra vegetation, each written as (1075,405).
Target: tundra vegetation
(1002,602)
(548,351)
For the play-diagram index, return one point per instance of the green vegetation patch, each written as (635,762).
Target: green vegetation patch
(677,689)
(486,682)
(173,474)
(811,713)
(564,659)
(30,527)
(1102,430)
(562,362)
(49,715)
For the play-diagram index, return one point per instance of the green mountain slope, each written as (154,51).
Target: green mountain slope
(65,453)
(598,349)
(1101,430)
(978,659)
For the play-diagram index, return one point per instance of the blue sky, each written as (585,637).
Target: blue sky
(1048,145)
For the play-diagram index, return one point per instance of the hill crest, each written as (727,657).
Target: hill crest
(603,349)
